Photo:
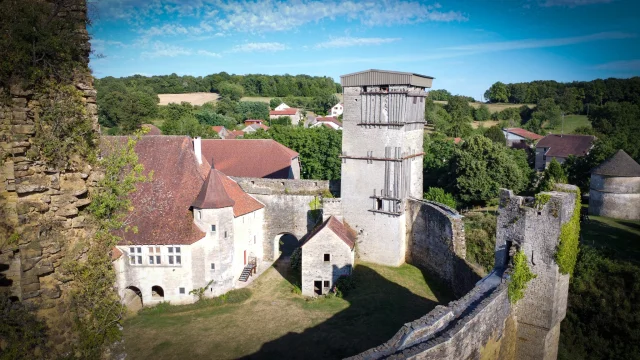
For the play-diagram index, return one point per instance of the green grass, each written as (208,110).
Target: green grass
(496,107)
(264,99)
(620,238)
(275,323)
(571,122)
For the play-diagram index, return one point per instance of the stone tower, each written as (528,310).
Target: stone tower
(383,126)
(535,229)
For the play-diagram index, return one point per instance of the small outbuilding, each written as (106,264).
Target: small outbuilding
(615,188)
(327,253)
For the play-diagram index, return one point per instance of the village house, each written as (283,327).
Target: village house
(282,106)
(197,229)
(292,113)
(253,121)
(560,147)
(259,158)
(327,254)
(223,133)
(253,127)
(520,138)
(337,110)
(329,122)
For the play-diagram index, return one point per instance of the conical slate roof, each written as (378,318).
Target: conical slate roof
(620,164)
(213,194)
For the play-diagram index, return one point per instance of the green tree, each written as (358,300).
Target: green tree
(460,111)
(231,91)
(188,125)
(440,196)
(438,154)
(274,102)
(547,110)
(553,174)
(498,92)
(439,95)
(496,135)
(126,108)
(482,113)
(252,110)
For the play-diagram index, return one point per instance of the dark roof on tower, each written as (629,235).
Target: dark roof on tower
(565,145)
(620,164)
(161,207)
(374,77)
(219,191)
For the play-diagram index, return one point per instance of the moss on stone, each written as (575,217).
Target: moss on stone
(541,200)
(520,276)
(568,246)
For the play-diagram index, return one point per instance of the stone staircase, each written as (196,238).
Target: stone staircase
(248,270)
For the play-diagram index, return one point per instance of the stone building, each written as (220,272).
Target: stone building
(327,254)
(383,127)
(615,188)
(196,227)
(292,113)
(520,138)
(560,147)
(337,109)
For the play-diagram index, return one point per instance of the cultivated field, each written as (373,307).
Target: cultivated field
(492,107)
(275,323)
(198,98)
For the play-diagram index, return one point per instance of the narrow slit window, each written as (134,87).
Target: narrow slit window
(213,228)
(327,257)
(213,266)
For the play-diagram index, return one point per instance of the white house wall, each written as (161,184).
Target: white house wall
(249,237)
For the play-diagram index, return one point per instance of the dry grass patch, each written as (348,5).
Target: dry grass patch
(276,323)
(198,98)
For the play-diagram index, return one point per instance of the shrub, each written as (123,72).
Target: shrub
(344,285)
(296,259)
(482,113)
(440,196)
(520,276)
(567,251)
(480,234)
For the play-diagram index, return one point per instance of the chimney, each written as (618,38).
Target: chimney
(197,148)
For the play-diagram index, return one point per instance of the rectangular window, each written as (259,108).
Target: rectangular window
(327,257)
(170,259)
(326,283)
(170,250)
(151,248)
(132,250)
(213,228)
(178,260)
(150,260)
(139,260)
(157,249)
(139,250)
(225,234)
(132,260)
(177,250)
(199,214)
(182,290)
(213,266)
(158,260)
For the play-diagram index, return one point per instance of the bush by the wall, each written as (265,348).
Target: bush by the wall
(520,276)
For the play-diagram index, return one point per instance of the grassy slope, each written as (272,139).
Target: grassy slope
(619,237)
(276,323)
(571,122)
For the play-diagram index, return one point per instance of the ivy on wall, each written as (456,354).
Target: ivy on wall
(568,247)
(520,276)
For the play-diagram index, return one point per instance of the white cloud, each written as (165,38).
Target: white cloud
(540,43)
(573,3)
(177,29)
(160,49)
(208,53)
(348,41)
(259,47)
(623,65)
(100,45)
(274,15)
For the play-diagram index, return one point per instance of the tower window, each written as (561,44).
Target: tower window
(213,266)
(327,257)
(379,204)
(213,228)
(182,290)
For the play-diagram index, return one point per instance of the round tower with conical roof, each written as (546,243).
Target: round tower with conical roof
(615,188)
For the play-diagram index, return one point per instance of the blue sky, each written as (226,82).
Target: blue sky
(465,45)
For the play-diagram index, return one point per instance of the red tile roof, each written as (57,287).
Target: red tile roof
(219,192)
(115,253)
(261,158)
(253,121)
(565,145)
(289,111)
(524,133)
(329,119)
(341,230)
(153,130)
(218,128)
(235,134)
(162,206)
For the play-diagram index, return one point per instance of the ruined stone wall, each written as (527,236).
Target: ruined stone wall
(287,209)
(436,243)
(41,207)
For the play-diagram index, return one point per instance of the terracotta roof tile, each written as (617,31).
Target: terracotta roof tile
(565,145)
(213,194)
(261,158)
(343,231)
(115,253)
(620,164)
(524,133)
(162,206)
(289,111)
(153,130)
(330,119)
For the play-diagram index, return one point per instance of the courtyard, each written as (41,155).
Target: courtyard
(270,320)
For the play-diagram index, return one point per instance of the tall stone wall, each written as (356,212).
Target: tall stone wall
(436,243)
(41,207)
(287,209)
